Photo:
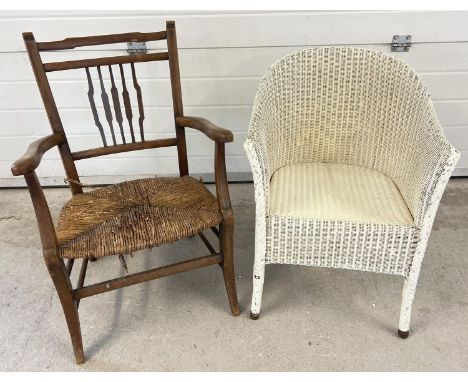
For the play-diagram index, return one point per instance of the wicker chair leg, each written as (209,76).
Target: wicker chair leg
(258,279)
(409,289)
(226,241)
(64,289)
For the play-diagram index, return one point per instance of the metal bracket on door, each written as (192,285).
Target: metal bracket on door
(401,43)
(136,47)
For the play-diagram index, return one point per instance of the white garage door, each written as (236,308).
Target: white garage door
(222,58)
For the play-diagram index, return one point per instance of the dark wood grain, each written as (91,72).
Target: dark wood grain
(212,131)
(141,109)
(92,104)
(127,103)
(81,278)
(51,109)
(116,102)
(32,158)
(177,96)
(54,264)
(103,61)
(106,104)
(96,152)
(152,274)
(26,165)
(69,266)
(226,232)
(207,243)
(75,42)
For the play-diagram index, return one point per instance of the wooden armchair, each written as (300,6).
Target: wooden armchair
(133,215)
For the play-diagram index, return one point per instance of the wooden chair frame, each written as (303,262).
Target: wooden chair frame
(59,271)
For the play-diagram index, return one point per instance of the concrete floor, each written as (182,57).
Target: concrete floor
(312,319)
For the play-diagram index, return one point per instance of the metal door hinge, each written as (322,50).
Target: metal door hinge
(401,43)
(136,47)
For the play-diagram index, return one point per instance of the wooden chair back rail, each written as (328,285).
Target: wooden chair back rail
(153,144)
(75,42)
(103,61)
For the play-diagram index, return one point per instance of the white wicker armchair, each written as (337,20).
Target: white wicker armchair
(349,164)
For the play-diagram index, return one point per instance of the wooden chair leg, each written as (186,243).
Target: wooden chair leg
(226,241)
(64,289)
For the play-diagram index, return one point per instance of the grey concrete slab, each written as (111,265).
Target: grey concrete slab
(312,319)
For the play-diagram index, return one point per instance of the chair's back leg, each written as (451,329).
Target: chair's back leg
(226,244)
(62,283)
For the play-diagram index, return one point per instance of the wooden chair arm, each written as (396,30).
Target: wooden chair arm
(32,158)
(212,131)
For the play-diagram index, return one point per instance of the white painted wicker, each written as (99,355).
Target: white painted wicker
(353,107)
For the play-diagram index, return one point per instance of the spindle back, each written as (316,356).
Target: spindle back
(116,103)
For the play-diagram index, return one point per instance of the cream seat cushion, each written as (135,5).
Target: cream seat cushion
(327,191)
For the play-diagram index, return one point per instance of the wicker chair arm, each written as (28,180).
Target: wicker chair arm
(422,181)
(32,158)
(212,131)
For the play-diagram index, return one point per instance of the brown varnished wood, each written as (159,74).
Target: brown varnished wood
(207,243)
(127,104)
(148,275)
(75,42)
(103,61)
(212,131)
(226,231)
(51,109)
(69,266)
(106,104)
(153,144)
(54,264)
(215,231)
(141,110)
(222,189)
(32,158)
(92,104)
(116,102)
(177,96)
(81,278)
(59,273)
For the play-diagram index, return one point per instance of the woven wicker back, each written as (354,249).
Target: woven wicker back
(351,106)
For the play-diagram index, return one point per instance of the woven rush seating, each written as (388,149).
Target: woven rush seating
(135,215)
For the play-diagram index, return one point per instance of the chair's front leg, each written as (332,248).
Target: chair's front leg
(258,268)
(226,228)
(409,290)
(226,243)
(64,290)
(55,265)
